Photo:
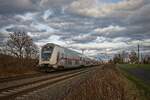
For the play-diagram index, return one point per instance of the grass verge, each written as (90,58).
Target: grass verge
(132,66)
(143,88)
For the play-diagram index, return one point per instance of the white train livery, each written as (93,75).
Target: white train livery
(53,56)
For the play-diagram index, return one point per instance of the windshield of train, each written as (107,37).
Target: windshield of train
(46,53)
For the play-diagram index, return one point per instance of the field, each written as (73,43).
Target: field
(139,74)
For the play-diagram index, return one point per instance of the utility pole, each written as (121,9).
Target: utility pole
(141,58)
(138,53)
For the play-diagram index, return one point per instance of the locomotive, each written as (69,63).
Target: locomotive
(53,57)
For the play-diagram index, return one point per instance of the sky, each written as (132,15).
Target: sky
(98,26)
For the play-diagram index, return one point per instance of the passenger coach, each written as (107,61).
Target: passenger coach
(53,56)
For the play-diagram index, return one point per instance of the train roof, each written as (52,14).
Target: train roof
(72,51)
(50,44)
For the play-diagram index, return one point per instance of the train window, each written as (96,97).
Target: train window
(46,53)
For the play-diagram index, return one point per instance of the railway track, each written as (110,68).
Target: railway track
(26,76)
(13,78)
(18,88)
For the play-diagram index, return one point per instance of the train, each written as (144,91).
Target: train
(55,57)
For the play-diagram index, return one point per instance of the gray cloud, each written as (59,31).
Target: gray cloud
(18,6)
(141,16)
(79,22)
(55,3)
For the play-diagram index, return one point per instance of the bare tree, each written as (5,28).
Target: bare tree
(133,57)
(146,59)
(118,58)
(3,49)
(30,48)
(20,44)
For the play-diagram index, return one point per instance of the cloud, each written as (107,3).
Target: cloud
(95,25)
(141,16)
(3,38)
(83,38)
(54,3)
(93,46)
(121,39)
(101,9)
(18,6)
(108,30)
(34,27)
(47,13)
(38,36)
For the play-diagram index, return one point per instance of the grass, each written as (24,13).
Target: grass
(106,83)
(131,66)
(143,88)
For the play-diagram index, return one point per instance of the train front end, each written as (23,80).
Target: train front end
(45,57)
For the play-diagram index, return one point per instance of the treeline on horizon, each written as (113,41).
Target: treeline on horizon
(132,58)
